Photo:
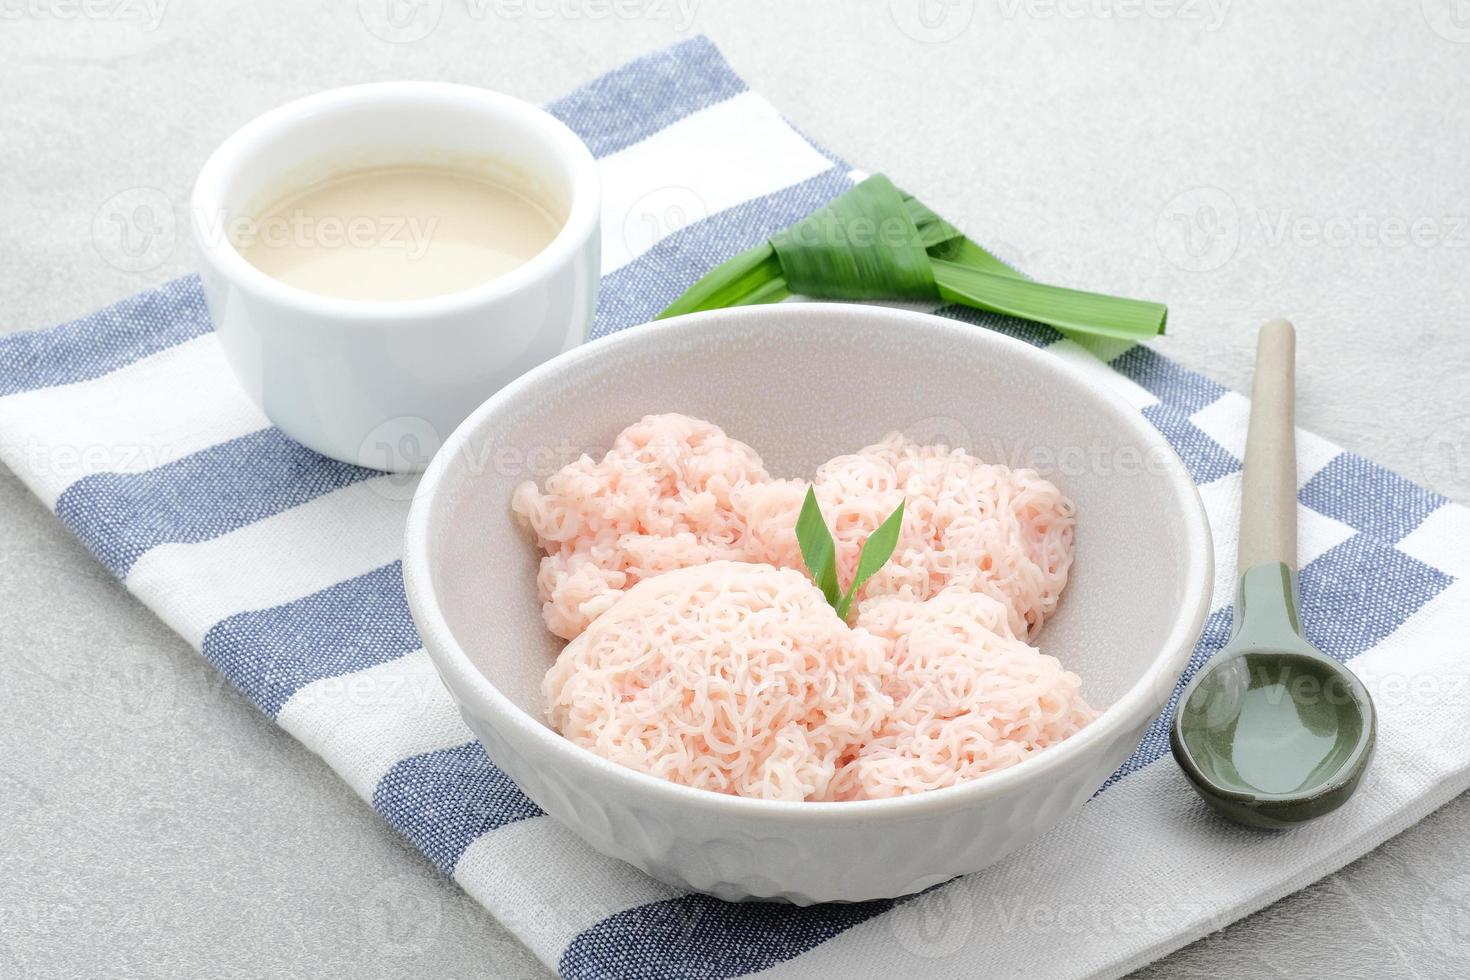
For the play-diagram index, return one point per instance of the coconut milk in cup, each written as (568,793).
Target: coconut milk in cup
(398,233)
(380,259)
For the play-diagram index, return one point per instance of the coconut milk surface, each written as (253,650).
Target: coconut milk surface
(396,233)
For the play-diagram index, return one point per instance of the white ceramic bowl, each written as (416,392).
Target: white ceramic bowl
(382,383)
(802,383)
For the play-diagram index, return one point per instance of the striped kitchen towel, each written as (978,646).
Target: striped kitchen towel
(282,568)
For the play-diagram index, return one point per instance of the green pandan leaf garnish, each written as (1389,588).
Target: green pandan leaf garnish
(819,551)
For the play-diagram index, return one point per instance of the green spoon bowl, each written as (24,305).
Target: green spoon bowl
(1272,732)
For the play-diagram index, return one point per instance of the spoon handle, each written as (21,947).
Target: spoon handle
(1268,492)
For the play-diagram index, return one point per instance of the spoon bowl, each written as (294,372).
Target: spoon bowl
(1272,732)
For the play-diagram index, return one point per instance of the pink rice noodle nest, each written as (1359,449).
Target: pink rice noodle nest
(968,697)
(730,677)
(659,500)
(701,653)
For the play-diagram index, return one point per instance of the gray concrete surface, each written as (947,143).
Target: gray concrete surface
(1237,159)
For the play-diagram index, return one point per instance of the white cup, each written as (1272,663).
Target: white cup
(381,384)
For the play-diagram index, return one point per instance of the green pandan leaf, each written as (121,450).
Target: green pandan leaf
(818,549)
(876,242)
(876,552)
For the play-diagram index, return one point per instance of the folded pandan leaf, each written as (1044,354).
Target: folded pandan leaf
(877,243)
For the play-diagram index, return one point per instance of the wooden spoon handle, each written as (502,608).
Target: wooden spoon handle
(1268,493)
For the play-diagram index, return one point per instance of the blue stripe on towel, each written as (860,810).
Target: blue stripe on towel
(628,105)
(103,341)
(1167,381)
(1359,592)
(1369,498)
(119,516)
(695,936)
(270,654)
(1035,334)
(441,801)
(639,290)
(1206,460)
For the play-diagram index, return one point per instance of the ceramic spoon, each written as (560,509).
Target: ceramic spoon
(1272,732)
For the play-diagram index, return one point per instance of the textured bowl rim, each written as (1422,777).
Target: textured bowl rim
(1144,699)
